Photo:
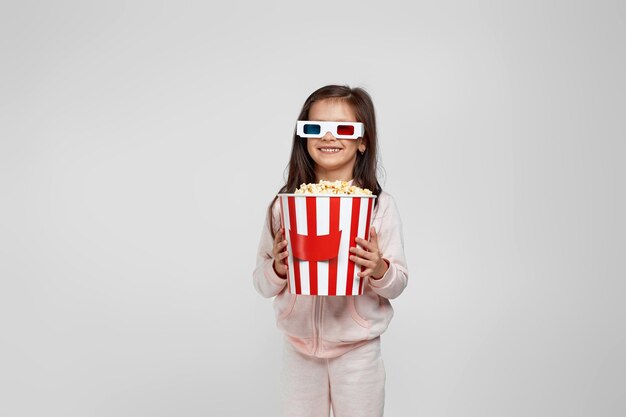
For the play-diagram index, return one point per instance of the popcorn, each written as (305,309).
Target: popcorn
(321,222)
(333,188)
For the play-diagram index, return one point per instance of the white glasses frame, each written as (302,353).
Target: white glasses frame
(332,127)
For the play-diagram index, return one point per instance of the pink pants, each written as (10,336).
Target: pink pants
(353,383)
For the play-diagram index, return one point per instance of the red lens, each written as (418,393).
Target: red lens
(345,130)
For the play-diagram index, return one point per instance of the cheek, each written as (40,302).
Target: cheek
(351,146)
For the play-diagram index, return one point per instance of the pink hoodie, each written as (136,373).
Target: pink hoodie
(328,326)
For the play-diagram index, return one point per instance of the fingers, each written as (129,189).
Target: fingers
(365,244)
(279,235)
(366,263)
(280,268)
(372,244)
(374,235)
(366,272)
(368,250)
(282,255)
(279,243)
(367,267)
(373,256)
(367,257)
(279,251)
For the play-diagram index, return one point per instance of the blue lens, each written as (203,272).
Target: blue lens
(310,129)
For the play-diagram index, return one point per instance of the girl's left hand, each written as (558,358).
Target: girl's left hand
(370,259)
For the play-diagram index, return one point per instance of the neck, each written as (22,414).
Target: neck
(333,175)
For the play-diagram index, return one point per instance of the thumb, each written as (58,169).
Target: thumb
(373,234)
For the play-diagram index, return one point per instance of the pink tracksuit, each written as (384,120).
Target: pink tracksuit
(332,352)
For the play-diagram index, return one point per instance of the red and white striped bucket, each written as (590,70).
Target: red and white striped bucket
(320,229)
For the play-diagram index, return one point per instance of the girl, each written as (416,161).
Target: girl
(332,343)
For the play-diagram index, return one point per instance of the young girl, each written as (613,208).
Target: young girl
(332,343)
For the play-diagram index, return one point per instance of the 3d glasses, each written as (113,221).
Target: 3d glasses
(340,130)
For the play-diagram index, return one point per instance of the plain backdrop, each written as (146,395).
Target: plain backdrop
(141,141)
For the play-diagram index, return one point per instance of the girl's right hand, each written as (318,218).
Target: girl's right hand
(280,254)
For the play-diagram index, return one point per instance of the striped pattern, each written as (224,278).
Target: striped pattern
(345,217)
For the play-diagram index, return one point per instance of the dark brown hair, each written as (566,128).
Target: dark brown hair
(301,165)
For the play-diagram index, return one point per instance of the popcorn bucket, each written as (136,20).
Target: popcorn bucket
(320,229)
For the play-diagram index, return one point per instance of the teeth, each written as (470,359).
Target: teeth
(330,150)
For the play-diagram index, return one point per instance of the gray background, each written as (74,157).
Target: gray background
(140,143)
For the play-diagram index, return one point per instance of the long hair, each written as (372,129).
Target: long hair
(301,165)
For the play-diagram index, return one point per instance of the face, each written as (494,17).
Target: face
(334,158)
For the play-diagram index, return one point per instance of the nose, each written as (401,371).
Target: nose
(328,136)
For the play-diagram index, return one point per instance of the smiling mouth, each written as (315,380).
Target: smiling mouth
(329,150)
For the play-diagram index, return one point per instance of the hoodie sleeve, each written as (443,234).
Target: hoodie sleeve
(266,280)
(391,246)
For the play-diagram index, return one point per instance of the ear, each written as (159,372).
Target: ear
(361,146)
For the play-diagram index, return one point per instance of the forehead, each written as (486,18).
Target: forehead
(332,110)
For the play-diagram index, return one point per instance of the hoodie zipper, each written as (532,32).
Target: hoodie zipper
(317,323)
